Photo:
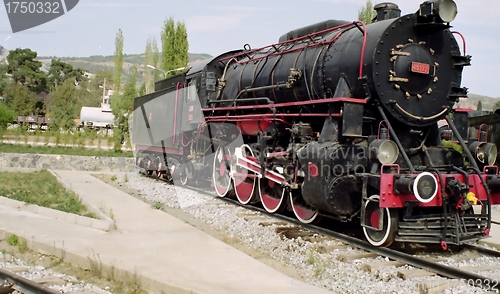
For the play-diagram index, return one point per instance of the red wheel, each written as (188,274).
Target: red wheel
(380,236)
(183,174)
(272,195)
(149,166)
(177,172)
(245,180)
(303,212)
(220,172)
(160,168)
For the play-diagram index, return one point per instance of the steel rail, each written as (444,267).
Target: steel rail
(440,269)
(23,285)
(483,250)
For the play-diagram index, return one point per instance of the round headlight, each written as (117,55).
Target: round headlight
(425,187)
(477,150)
(490,153)
(486,153)
(447,10)
(386,151)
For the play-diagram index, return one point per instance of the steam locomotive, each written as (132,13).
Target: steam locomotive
(337,119)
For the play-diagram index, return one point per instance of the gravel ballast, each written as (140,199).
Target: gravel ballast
(57,281)
(317,266)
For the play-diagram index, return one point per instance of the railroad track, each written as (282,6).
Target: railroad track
(429,266)
(454,276)
(13,283)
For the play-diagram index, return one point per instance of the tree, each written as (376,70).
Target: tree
(63,106)
(496,106)
(6,116)
(367,14)
(95,90)
(181,46)
(122,109)
(142,90)
(174,46)
(60,71)
(88,95)
(98,80)
(19,99)
(129,91)
(25,70)
(168,45)
(479,105)
(149,60)
(156,60)
(118,58)
(116,99)
(3,79)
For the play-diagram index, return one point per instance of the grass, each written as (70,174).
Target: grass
(42,189)
(13,240)
(311,257)
(79,151)
(314,260)
(158,205)
(22,244)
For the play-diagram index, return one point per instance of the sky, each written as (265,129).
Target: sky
(217,26)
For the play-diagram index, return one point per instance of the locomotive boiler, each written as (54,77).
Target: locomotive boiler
(337,119)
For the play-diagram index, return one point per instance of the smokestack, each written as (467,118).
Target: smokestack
(387,10)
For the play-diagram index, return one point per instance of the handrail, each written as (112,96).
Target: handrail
(463,40)
(277,53)
(177,87)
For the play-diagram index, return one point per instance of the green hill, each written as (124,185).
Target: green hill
(96,63)
(473,99)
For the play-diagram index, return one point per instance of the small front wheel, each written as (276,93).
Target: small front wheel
(383,223)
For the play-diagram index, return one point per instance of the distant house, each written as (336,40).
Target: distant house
(88,75)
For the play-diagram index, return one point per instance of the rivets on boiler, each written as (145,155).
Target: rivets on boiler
(436,79)
(419,96)
(410,40)
(429,91)
(407,95)
(400,46)
(432,51)
(422,43)
(397,86)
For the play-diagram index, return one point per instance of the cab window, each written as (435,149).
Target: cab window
(192,93)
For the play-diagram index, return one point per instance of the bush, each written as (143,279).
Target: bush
(6,116)
(454,146)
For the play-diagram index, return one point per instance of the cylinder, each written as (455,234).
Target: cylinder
(493,183)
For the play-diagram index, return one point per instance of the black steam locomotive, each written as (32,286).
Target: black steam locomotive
(337,119)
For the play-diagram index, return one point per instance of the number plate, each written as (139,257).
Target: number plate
(422,68)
